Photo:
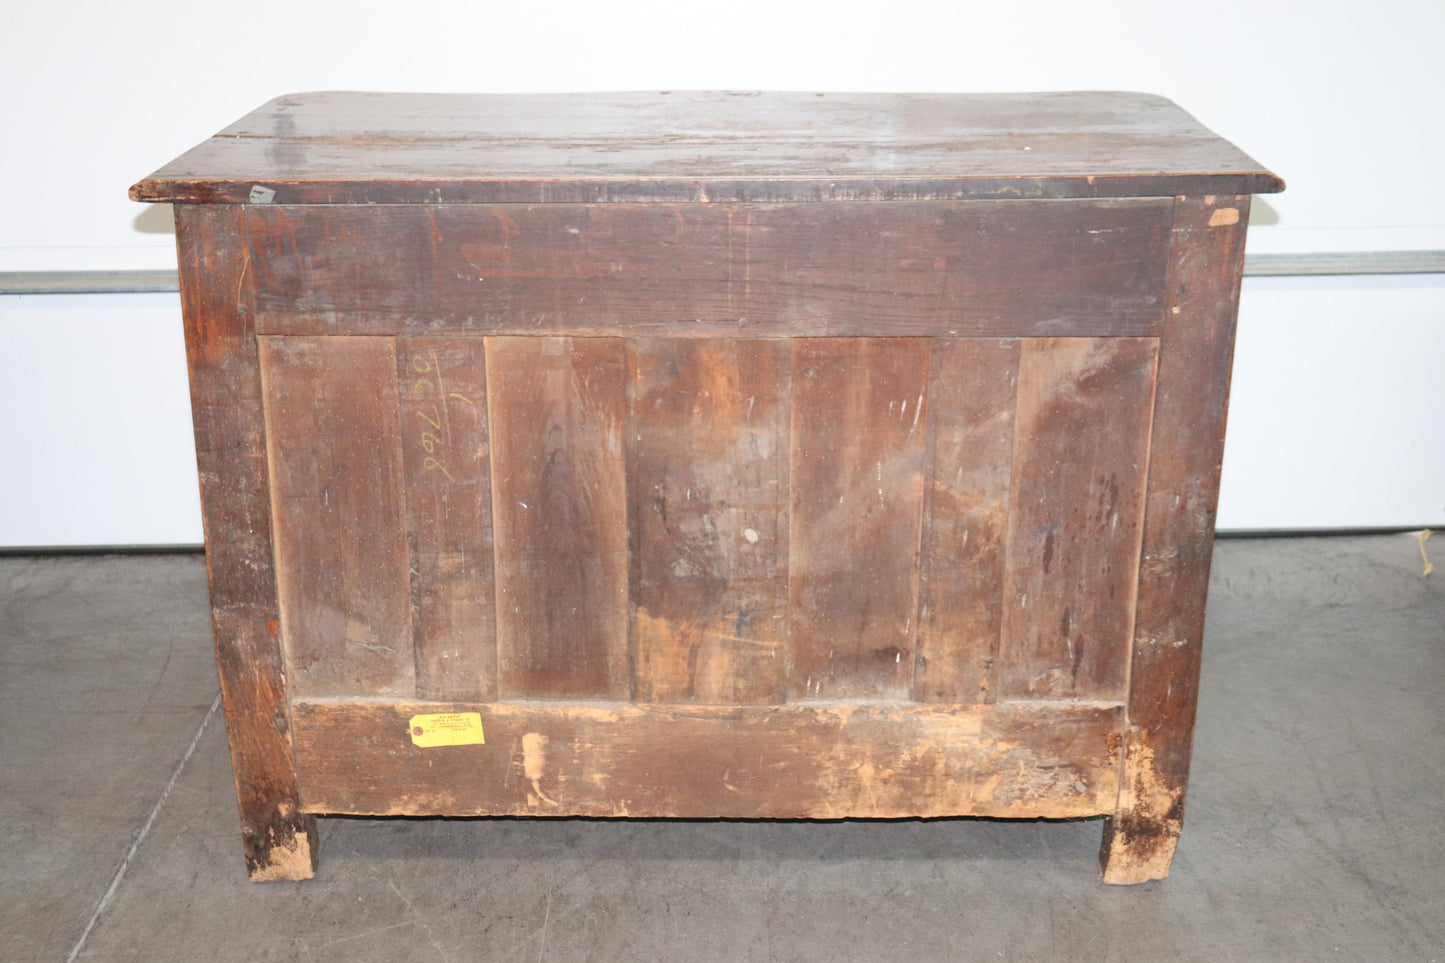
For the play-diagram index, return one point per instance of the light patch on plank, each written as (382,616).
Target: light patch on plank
(1224,217)
(534,764)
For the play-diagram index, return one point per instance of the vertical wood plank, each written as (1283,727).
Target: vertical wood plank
(1206,263)
(341,548)
(559,500)
(855,516)
(1075,516)
(707,448)
(443,391)
(972,392)
(279,842)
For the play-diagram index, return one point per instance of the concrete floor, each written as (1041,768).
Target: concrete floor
(1315,830)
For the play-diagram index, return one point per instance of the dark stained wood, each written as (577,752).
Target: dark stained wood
(280,842)
(859,423)
(375,148)
(1081,449)
(341,546)
(559,497)
(707,469)
(972,391)
(443,393)
(814,761)
(1206,264)
(996,268)
(780,455)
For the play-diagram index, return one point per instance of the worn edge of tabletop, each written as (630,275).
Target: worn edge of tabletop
(718,147)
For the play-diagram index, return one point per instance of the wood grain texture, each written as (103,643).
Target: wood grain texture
(375,148)
(559,498)
(993,268)
(765,455)
(708,452)
(1081,449)
(859,423)
(447,459)
(280,842)
(340,511)
(1195,353)
(782,762)
(972,391)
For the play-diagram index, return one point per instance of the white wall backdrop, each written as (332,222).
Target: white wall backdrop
(95,422)
(1336,420)
(1337,410)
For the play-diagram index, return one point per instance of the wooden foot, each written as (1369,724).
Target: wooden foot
(286,851)
(1140,837)
(1137,850)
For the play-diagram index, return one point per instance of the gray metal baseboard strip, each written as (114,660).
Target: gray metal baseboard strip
(1344,262)
(10,551)
(88,282)
(1255,266)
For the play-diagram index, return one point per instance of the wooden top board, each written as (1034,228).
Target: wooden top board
(390,148)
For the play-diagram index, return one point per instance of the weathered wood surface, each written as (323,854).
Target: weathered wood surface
(814,761)
(583,413)
(447,457)
(800,519)
(560,516)
(708,449)
(859,421)
(374,148)
(1075,515)
(340,510)
(1206,263)
(280,842)
(994,268)
(972,391)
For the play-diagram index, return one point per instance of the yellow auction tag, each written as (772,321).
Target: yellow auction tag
(446,729)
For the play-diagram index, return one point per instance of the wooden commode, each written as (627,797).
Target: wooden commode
(710,455)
